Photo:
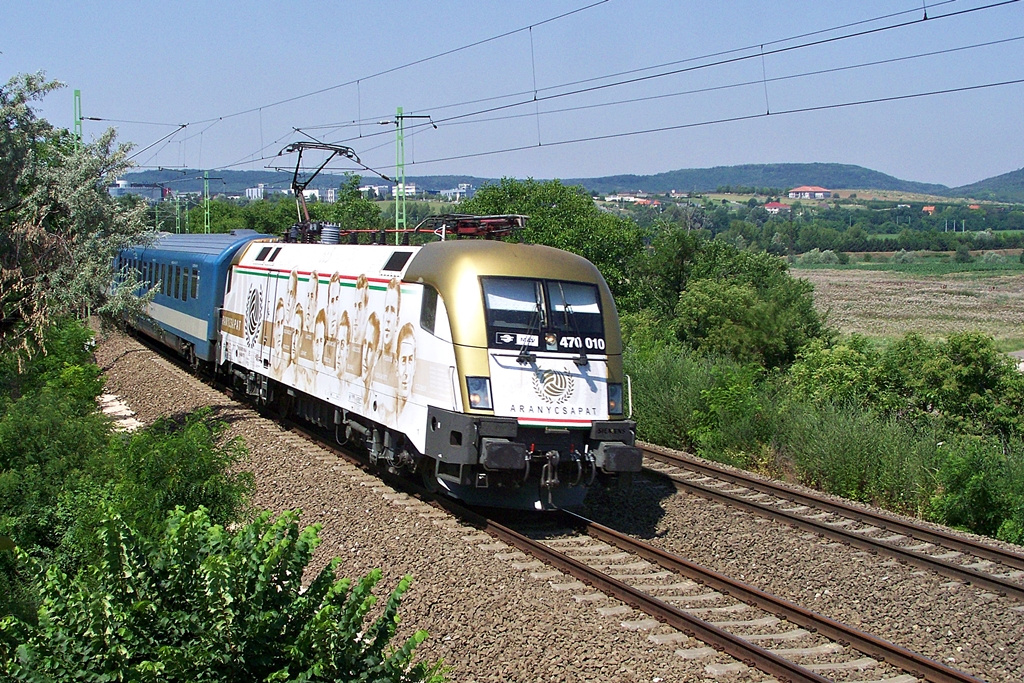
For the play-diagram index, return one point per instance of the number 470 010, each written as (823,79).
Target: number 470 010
(590,343)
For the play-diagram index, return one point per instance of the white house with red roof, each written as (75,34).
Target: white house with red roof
(809,192)
(775,208)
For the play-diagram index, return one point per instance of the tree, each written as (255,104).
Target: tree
(59,228)
(963,254)
(205,604)
(567,218)
(351,210)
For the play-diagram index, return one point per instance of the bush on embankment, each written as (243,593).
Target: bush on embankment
(931,429)
(201,603)
(62,468)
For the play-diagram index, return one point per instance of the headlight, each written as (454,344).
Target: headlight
(614,399)
(479,390)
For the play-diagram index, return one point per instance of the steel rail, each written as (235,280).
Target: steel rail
(732,645)
(869,644)
(860,540)
(752,655)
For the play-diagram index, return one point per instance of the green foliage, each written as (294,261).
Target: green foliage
(169,465)
(60,468)
(963,380)
(893,426)
(270,216)
(853,452)
(667,385)
(963,254)
(565,218)
(729,419)
(981,488)
(60,228)
(351,210)
(202,603)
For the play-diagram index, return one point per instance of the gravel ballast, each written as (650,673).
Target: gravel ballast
(489,617)
(965,627)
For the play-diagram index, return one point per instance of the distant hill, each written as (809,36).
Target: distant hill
(1008,187)
(783,176)
(235,182)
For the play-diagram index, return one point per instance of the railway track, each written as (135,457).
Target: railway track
(783,640)
(682,599)
(777,637)
(956,557)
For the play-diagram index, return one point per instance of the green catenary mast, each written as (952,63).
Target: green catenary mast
(78,116)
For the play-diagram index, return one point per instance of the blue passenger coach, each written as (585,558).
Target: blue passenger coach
(189,272)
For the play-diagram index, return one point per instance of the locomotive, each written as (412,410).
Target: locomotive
(493,369)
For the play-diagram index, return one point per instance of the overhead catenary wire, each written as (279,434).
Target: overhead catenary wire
(730,119)
(709,122)
(556,92)
(531,97)
(407,65)
(737,84)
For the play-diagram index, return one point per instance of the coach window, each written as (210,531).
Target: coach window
(163,278)
(195,283)
(185,284)
(177,282)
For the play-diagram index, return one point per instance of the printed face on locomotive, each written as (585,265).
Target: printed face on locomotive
(333,304)
(319,337)
(279,323)
(406,360)
(392,302)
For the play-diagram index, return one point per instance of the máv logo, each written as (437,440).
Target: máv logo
(553,386)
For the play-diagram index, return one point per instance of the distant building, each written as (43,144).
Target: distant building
(775,208)
(930,210)
(148,191)
(311,194)
(463,191)
(627,197)
(375,191)
(332,196)
(406,190)
(254,193)
(809,192)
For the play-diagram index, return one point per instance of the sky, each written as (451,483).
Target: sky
(554,89)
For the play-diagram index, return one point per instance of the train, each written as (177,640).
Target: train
(492,369)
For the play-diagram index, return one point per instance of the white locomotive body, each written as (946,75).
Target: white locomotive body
(492,368)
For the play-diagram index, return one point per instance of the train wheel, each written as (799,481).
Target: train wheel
(428,475)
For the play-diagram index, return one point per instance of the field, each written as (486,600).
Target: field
(887,303)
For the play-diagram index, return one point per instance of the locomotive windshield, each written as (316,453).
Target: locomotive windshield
(553,315)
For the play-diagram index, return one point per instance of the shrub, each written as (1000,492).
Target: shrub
(811,257)
(169,465)
(763,320)
(206,604)
(903,256)
(974,492)
(728,422)
(992,258)
(963,254)
(667,381)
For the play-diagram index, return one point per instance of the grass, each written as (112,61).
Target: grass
(887,301)
(927,266)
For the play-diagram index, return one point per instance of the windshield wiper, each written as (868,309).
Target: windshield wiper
(525,356)
(570,319)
